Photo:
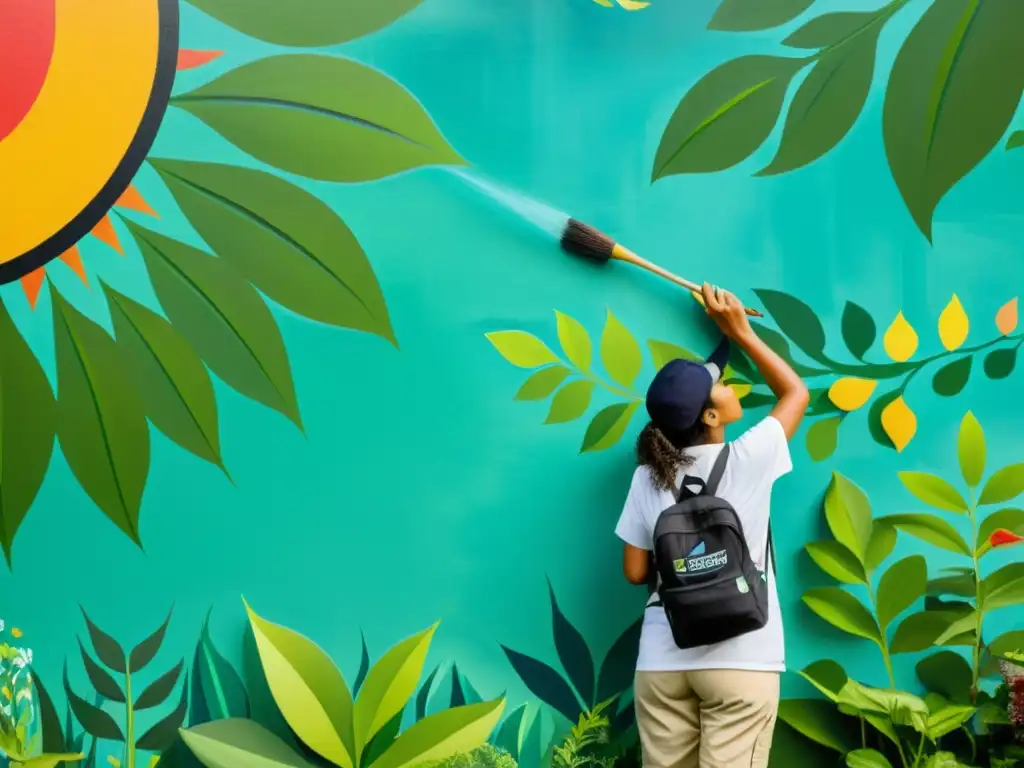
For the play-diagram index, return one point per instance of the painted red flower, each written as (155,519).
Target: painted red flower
(1002,537)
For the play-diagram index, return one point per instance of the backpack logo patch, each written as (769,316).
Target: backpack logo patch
(699,562)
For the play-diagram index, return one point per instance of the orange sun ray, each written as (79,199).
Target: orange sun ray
(188,59)
(32,283)
(104,230)
(133,200)
(73,259)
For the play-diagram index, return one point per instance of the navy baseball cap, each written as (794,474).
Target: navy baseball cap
(680,390)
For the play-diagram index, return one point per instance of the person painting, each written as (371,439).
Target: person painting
(710,705)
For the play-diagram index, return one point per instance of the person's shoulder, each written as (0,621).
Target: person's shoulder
(642,478)
(768,430)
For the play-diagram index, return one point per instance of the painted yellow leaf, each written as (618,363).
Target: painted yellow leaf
(899,423)
(900,340)
(632,5)
(605,3)
(742,389)
(953,325)
(1006,317)
(849,394)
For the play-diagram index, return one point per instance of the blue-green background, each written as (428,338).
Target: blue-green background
(421,491)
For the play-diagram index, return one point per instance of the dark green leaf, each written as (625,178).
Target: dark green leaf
(1009,519)
(307,23)
(458,697)
(843,611)
(1016,140)
(758,400)
(880,545)
(875,417)
(901,586)
(1003,588)
(948,673)
(999,363)
(826,675)
(970,450)
(424,695)
(617,669)
(924,629)
(573,652)
(1004,485)
(866,758)
(1009,642)
(27,427)
(951,378)
(507,737)
(827,104)
(223,317)
(542,383)
(546,684)
(100,421)
(859,329)
(837,561)
(961,584)
(144,652)
(933,491)
(937,123)
(932,529)
(726,116)
(829,29)
(107,648)
(364,666)
(796,320)
(608,426)
(288,112)
(742,365)
(820,721)
(664,352)
(780,346)
(55,741)
(382,739)
(822,437)
(750,15)
(222,687)
(570,402)
(157,692)
(821,403)
(101,680)
(848,513)
(93,719)
(165,731)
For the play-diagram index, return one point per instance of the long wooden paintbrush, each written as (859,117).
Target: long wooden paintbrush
(584,240)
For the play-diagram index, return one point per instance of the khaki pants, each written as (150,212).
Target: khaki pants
(713,718)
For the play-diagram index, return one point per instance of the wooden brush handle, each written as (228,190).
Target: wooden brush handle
(624,254)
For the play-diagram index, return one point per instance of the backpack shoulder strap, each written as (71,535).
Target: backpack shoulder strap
(717,471)
(771,549)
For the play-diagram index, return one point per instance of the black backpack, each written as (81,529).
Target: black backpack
(706,582)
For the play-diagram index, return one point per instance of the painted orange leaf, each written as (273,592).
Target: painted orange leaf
(899,423)
(133,200)
(849,394)
(104,230)
(189,59)
(900,340)
(73,259)
(953,325)
(31,284)
(1002,537)
(1006,317)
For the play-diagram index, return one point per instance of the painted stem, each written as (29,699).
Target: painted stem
(979,614)
(884,644)
(129,742)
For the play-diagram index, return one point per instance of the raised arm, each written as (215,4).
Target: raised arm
(728,313)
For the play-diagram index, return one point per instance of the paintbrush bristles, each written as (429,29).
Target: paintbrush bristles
(583,240)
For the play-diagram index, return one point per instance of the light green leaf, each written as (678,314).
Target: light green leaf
(234,742)
(308,689)
(943,760)
(1008,642)
(880,545)
(460,729)
(924,629)
(843,611)
(664,352)
(570,402)
(620,353)
(542,383)
(50,761)
(747,16)
(899,707)
(725,116)
(1006,484)
(27,429)
(608,426)
(223,318)
(866,758)
(934,491)
(944,718)
(970,448)
(1011,519)
(288,112)
(948,673)
(848,513)
(522,349)
(932,529)
(937,124)
(306,23)
(826,675)
(575,341)
(1003,588)
(960,584)
(900,587)
(287,242)
(100,421)
(823,437)
(837,561)
(389,685)
(820,721)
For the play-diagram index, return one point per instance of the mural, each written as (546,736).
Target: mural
(209,190)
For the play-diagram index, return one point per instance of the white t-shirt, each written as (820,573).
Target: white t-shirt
(756,460)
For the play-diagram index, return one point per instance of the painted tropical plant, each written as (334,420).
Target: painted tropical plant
(260,236)
(338,725)
(951,93)
(838,386)
(629,5)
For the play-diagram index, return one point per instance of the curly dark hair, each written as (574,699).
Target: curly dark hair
(665,456)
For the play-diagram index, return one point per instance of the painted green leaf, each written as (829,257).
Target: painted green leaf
(545,683)
(101,680)
(900,587)
(932,529)
(948,673)
(664,352)
(848,513)
(830,29)
(461,729)
(937,123)
(780,346)
(859,329)
(233,742)
(608,426)
(522,349)
(618,666)
(50,760)
(108,650)
(796,320)
(875,417)
(542,383)
(1011,519)
(156,693)
(53,736)
(922,630)
(826,675)
(308,689)
(837,561)
(820,721)
(933,491)
(577,661)
(999,363)
(222,689)
(223,318)
(866,758)
(144,652)
(726,116)
(960,584)
(823,437)
(389,685)
(970,449)
(827,103)
(287,242)
(288,112)
(843,611)
(27,428)
(1016,140)
(748,16)
(951,378)
(507,737)
(1003,588)
(570,402)
(100,422)
(93,719)
(575,341)
(620,353)
(1008,642)
(944,718)
(164,732)
(1004,485)
(423,697)
(880,545)
(942,760)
